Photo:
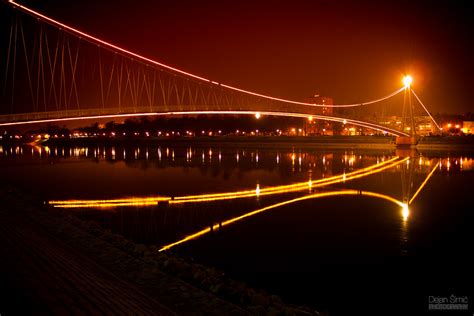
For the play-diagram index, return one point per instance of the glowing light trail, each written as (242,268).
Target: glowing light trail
(132,201)
(405,207)
(261,210)
(301,186)
(114,47)
(289,188)
(423,184)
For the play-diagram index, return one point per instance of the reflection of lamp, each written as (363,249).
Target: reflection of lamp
(405,212)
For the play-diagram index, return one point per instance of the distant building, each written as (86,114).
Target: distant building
(318,127)
(317,99)
(423,124)
(468,127)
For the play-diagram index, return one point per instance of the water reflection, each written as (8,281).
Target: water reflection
(219,225)
(146,201)
(294,215)
(404,164)
(191,204)
(404,206)
(348,159)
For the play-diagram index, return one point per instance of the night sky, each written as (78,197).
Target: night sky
(351,51)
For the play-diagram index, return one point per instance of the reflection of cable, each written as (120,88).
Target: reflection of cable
(148,201)
(311,196)
(283,188)
(116,48)
(426,110)
(424,183)
(405,210)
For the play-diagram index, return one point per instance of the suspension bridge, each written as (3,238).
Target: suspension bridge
(54,72)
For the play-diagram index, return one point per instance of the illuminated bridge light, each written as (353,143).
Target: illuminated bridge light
(407,81)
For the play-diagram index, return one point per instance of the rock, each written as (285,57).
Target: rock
(216,288)
(186,272)
(259,299)
(257,310)
(272,311)
(287,311)
(139,250)
(276,301)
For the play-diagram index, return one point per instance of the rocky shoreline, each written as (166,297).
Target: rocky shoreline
(181,286)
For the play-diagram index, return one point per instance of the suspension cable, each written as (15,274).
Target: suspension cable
(114,47)
(426,110)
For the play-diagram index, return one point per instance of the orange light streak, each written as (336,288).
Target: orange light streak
(291,187)
(423,184)
(122,201)
(135,201)
(261,210)
(105,204)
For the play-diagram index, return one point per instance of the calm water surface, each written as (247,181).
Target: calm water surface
(339,239)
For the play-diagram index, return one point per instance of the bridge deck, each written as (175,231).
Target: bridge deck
(265,109)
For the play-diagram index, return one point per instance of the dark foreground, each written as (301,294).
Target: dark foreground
(51,263)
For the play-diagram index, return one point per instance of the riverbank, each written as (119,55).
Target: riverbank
(52,262)
(333,142)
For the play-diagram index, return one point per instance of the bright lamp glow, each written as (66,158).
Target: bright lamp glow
(405,212)
(257,115)
(407,80)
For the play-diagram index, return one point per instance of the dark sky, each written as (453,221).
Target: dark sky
(352,51)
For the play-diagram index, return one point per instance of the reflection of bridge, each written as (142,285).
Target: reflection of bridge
(67,74)
(302,186)
(404,163)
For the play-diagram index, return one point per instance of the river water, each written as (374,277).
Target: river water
(327,228)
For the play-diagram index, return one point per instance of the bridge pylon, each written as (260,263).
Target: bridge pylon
(408,118)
